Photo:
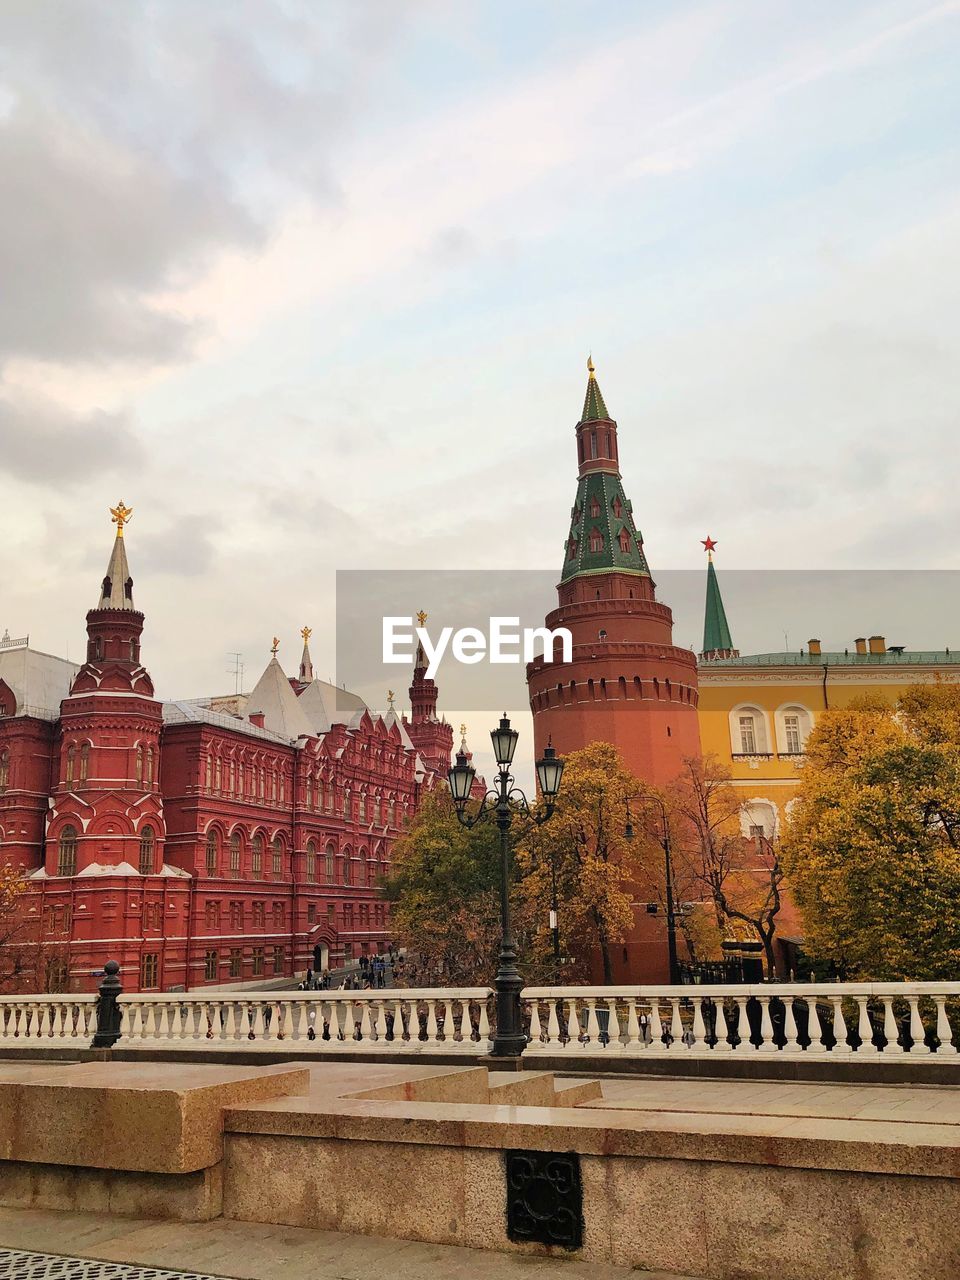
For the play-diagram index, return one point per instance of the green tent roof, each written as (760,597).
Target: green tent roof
(594,410)
(716,632)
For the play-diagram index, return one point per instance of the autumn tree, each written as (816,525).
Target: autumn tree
(584,849)
(739,877)
(444,886)
(18,960)
(872,847)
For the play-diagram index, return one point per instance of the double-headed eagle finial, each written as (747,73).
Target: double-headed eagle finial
(119,515)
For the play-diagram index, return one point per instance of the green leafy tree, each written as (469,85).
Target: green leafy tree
(584,849)
(872,847)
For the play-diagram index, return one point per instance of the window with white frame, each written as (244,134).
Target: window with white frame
(748,735)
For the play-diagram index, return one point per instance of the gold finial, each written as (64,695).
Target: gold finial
(120,515)
(463,731)
(390,696)
(421,618)
(590,369)
(463,738)
(306,632)
(276,645)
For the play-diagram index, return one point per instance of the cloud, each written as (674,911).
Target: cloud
(45,443)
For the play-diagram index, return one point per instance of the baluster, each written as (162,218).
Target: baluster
(743,1025)
(839,1026)
(284,1020)
(381,1027)
(56,1021)
(398,1023)
(720,1030)
(365,1022)
(256,1018)
(792,1044)
(864,1027)
(656,1027)
(891,1031)
(535,1032)
(593,1025)
(916,1026)
(767,1042)
(484,1022)
(553,1024)
(431,1039)
(699,1027)
(633,1026)
(944,1030)
(150,1021)
(676,1025)
(466,1026)
(573,1024)
(613,1026)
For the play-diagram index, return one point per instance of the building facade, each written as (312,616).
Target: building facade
(214,842)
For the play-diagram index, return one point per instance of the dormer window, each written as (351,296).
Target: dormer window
(594,508)
(596,540)
(624,540)
(572,549)
(617,507)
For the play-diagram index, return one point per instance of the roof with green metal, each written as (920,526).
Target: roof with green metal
(602,517)
(909,658)
(716,632)
(594,410)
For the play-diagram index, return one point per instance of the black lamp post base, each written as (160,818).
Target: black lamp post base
(508,1046)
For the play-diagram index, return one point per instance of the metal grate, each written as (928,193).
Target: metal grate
(16,1264)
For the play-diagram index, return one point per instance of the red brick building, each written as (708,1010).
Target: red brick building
(227,840)
(627,683)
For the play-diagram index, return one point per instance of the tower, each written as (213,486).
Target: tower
(627,683)
(717,642)
(432,737)
(106,808)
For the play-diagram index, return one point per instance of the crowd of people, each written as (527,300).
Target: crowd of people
(371,975)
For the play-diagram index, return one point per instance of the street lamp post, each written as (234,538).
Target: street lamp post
(499,805)
(672,960)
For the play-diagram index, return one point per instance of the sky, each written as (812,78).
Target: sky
(313,287)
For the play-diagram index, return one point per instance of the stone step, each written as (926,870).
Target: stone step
(521,1088)
(576,1092)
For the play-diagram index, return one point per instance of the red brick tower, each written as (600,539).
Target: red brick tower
(627,683)
(433,738)
(106,808)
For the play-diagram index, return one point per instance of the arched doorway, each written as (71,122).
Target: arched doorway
(321,957)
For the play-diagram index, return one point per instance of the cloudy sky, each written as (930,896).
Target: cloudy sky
(312,287)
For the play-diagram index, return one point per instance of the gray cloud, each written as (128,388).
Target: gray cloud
(185,549)
(43,442)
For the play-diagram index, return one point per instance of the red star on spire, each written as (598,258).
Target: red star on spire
(708,543)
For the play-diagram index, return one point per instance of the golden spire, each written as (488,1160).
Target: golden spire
(590,368)
(463,739)
(120,515)
(390,697)
(276,645)
(306,632)
(421,618)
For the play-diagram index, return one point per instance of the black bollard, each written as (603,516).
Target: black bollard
(108,1010)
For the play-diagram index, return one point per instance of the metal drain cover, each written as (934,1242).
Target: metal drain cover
(16,1264)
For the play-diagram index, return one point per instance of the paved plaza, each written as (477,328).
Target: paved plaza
(258,1251)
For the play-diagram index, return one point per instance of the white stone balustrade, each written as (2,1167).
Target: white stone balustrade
(47,1020)
(414,1021)
(882,1020)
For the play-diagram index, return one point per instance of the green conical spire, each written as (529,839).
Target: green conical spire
(594,410)
(716,632)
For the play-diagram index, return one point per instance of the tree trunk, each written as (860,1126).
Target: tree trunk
(604,950)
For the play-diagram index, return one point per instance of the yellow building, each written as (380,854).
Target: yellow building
(757,711)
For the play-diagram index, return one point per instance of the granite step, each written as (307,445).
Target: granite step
(520,1088)
(576,1092)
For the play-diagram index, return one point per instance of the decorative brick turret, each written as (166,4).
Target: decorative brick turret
(106,807)
(431,736)
(627,683)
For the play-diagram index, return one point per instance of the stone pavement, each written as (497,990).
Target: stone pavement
(883,1103)
(256,1251)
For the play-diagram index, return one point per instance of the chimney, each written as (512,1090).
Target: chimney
(861,644)
(878,644)
(813,647)
(256,717)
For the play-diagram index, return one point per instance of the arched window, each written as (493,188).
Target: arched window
(748,731)
(149,766)
(793,728)
(617,507)
(364,869)
(277,847)
(312,861)
(146,851)
(71,763)
(209,774)
(759,820)
(4,770)
(235,854)
(139,766)
(67,852)
(572,549)
(257,861)
(346,866)
(624,540)
(594,508)
(212,852)
(84,761)
(363,806)
(309,790)
(217,775)
(596,540)
(329,870)
(133,650)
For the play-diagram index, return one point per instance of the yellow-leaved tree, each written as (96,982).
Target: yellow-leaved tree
(584,851)
(872,846)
